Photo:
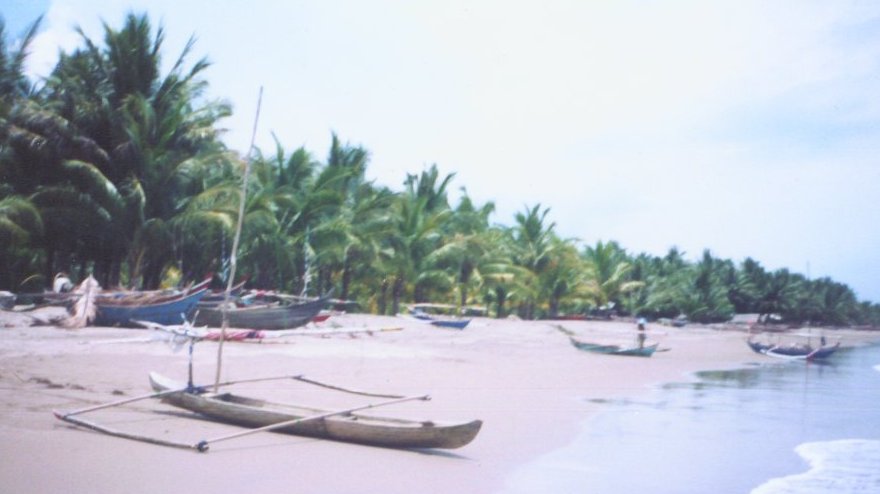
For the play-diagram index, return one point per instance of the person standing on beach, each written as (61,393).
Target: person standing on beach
(642,336)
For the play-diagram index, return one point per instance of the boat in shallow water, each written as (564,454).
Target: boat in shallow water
(793,352)
(347,427)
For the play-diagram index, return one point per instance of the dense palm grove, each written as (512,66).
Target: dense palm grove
(112,168)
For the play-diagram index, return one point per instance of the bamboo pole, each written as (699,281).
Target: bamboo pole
(204,444)
(117,403)
(126,435)
(345,390)
(166,392)
(233,258)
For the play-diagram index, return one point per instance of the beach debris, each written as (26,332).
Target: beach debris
(62,283)
(84,310)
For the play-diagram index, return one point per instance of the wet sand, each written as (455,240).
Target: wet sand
(524,379)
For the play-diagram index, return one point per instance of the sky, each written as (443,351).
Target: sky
(748,128)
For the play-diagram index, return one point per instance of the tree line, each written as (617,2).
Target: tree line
(110,167)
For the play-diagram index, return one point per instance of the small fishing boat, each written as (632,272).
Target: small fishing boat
(347,427)
(269,317)
(440,321)
(645,351)
(170,309)
(450,323)
(794,351)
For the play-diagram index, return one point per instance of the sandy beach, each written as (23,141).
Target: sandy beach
(529,385)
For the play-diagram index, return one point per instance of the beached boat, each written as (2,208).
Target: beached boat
(450,323)
(645,351)
(439,321)
(170,309)
(347,427)
(269,317)
(794,351)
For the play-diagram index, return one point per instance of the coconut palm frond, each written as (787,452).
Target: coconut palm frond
(85,309)
(22,214)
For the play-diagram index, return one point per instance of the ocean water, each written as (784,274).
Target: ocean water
(774,427)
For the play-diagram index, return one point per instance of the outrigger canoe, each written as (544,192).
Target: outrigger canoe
(793,352)
(348,427)
(645,351)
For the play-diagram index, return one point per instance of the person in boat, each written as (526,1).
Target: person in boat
(641,334)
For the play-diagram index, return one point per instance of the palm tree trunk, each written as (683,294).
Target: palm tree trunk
(50,265)
(397,293)
(383,297)
(554,305)
(346,279)
(500,299)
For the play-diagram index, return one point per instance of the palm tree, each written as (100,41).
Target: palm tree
(709,302)
(744,285)
(565,279)
(419,219)
(609,269)
(534,248)
(21,227)
(779,295)
(150,140)
(463,255)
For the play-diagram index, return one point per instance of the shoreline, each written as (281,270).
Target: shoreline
(529,385)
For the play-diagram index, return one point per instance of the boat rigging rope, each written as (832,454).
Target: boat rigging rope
(344,390)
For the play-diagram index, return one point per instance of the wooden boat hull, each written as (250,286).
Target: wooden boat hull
(351,427)
(171,311)
(265,317)
(794,353)
(645,351)
(451,323)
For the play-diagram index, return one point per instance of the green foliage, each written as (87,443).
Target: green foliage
(112,166)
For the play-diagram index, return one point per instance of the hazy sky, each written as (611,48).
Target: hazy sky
(750,128)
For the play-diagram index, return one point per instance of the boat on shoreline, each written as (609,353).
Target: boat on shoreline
(644,351)
(793,351)
(419,312)
(347,427)
(169,310)
(268,317)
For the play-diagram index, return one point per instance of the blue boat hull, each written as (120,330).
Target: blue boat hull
(451,323)
(174,311)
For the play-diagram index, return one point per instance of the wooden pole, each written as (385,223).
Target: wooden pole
(203,445)
(118,403)
(233,258)
(344,390)
(160,394)
(126,435)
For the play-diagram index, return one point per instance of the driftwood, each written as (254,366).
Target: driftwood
(85,308)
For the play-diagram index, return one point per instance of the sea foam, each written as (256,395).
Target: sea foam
(846,466)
